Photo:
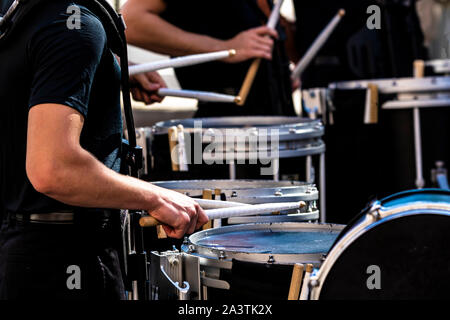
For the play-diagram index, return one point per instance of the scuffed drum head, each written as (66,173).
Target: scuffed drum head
(280,243)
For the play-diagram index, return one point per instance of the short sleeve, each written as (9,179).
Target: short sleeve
(63,61)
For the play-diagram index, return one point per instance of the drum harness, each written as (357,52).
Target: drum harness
(134,255)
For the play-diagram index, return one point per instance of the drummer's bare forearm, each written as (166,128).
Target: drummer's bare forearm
(60,168)
(146,29)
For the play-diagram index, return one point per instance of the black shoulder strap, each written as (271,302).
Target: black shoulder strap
(115,30)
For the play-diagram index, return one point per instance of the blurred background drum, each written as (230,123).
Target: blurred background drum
(233,139)
(377,142)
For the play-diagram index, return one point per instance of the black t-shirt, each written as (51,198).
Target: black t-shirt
(46,62)
(271,92)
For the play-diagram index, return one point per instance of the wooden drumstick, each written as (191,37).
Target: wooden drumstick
(207,195)
(253,70)
(305,288)
(173,141)
(182,157)
(296,281)
(419,69)
(371,111)
(245,210)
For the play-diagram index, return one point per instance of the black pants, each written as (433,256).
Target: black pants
(63,262)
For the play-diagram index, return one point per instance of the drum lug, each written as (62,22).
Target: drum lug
(191,248)
(271,259)
(374,211)
(222,255)
(314,282)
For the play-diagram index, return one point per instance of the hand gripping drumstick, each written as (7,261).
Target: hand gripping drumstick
(181,61)
(251,74)
(241,211)
(317,45)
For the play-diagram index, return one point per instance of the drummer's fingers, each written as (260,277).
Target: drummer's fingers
(180,229)
(265,41)
(172,232)
(258,53)
(266,31)
(137,95)
(262,47)
(202,218)
(146,98)
(193,225)
(156,98)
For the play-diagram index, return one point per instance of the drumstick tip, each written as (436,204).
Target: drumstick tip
(302,204)
(341,12)
(231,53)
(309,268)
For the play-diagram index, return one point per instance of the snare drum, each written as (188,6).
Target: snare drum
(255,261)
(399,248)
(255,192)
(237,142)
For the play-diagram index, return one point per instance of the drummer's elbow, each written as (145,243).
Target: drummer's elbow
(42,177)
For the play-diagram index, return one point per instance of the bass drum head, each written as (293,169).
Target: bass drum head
(405,255)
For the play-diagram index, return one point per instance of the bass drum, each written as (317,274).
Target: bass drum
(398,248)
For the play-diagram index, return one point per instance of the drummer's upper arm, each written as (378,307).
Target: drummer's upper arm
(136,6)
(53,141)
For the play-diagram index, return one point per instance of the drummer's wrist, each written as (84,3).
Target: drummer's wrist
(154,198)
(220,45)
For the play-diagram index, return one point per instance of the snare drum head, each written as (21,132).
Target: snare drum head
(284,243)
(404,255)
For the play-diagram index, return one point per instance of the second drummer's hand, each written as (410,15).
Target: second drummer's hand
(252,43)
(144,87)
(179,214)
